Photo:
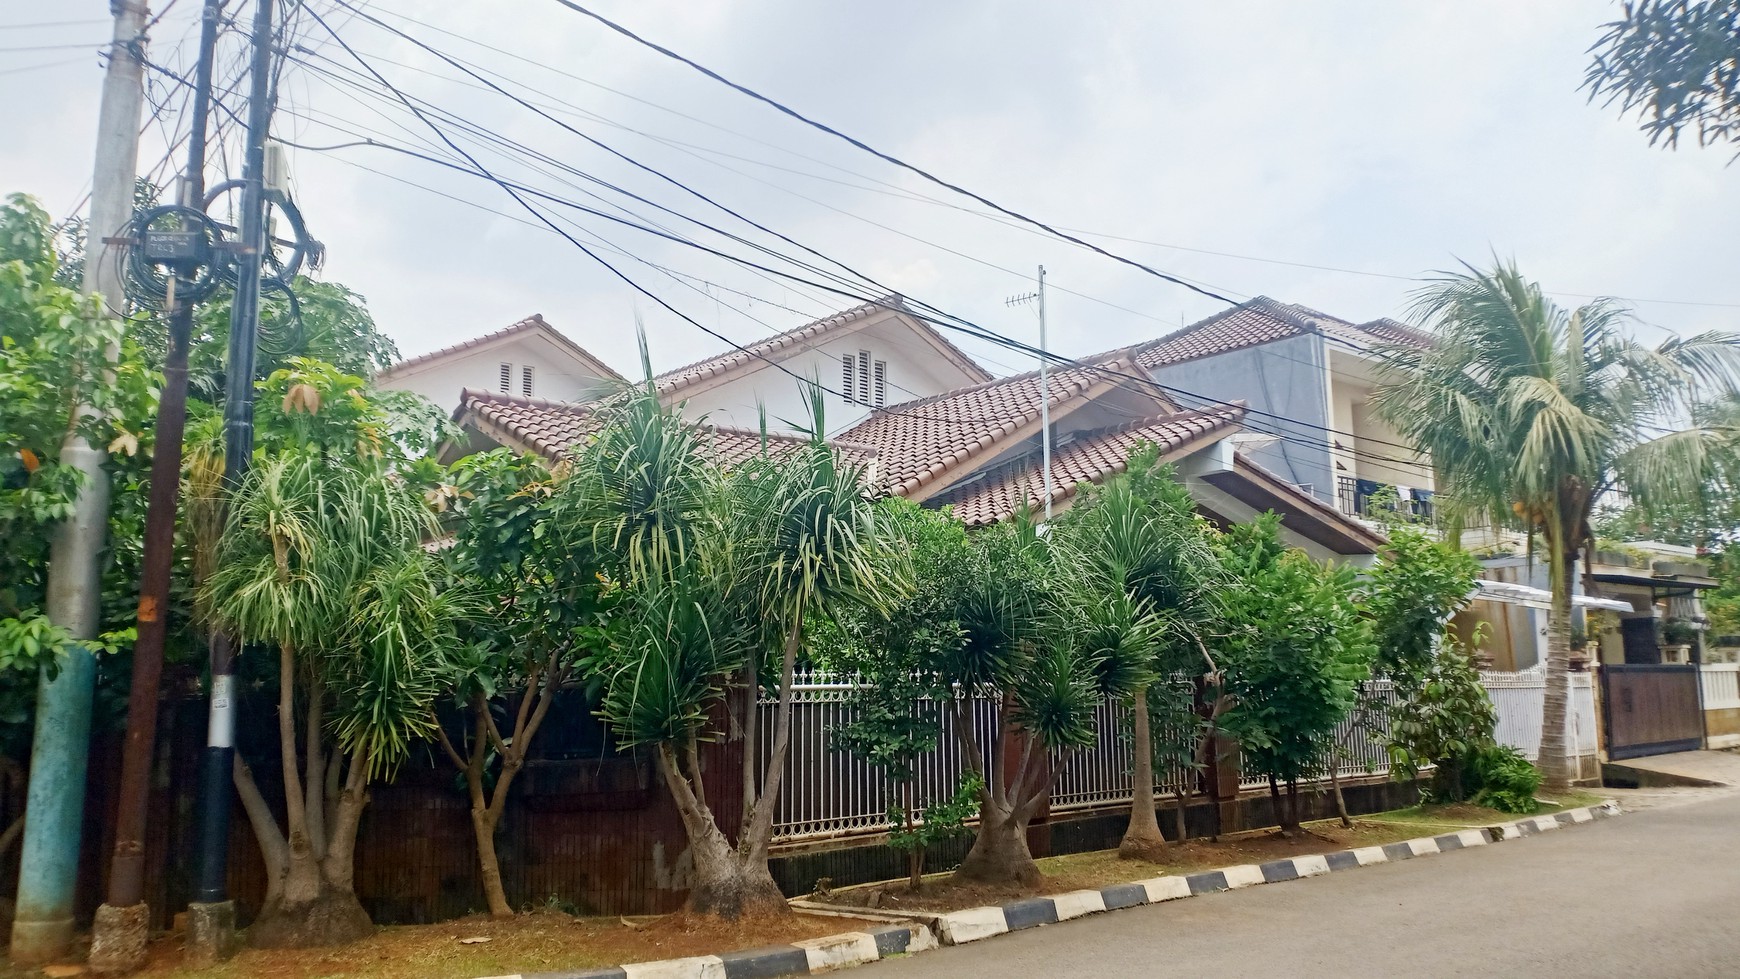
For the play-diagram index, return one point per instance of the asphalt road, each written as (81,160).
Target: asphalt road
(1651,893)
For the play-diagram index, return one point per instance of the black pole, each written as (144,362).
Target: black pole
(127,863)
(215,776)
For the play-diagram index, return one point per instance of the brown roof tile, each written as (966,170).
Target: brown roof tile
(682,377)
(555,428)
(1263,320)
(1088,457)
(917,441)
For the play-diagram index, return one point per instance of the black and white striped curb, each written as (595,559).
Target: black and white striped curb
(858,947)
(974,924)
(797,959)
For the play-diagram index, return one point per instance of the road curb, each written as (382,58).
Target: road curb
(819,955)
(803,958)
(977,924)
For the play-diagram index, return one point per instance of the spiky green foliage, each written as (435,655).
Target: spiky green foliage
(1531,413)
(1136,559)
(1672,62)
(327,561)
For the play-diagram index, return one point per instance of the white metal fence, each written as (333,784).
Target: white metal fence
(832,792)
(1521,699)
(1721,685)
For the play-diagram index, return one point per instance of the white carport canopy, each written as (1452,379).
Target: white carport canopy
(1511,593)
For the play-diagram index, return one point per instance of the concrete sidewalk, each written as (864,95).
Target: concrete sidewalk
(1679,768)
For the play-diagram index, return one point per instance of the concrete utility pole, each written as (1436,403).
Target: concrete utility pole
(122,927)
(42,929)
(212,915)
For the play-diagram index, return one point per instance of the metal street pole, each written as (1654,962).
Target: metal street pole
(122,926)
(212,916)
(1044,401)
(42,929)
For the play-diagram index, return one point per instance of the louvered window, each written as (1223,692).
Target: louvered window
(507,378)
(863,377)
(848,377)
(526,381)
(881,383)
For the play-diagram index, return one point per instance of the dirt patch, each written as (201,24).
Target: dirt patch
(538,942)
(1103,868)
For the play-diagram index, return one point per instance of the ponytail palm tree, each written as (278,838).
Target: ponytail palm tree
(1139,567)
(322,560)
(1531,412)
(720,568)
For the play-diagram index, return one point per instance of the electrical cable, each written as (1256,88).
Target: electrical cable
(480,171)
(516,188)
(572,240)
(610,217)
(887,157)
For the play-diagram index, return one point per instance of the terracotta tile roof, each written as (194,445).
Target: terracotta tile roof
(918,441)
(682,377)
(534,323)
(1387,330)
(1088,457)
(1263,320)
(554,428)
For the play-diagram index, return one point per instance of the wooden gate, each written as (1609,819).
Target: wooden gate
(1651,709)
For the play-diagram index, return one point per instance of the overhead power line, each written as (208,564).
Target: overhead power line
(888,157)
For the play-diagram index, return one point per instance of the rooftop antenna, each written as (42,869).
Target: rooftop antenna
(1044,385)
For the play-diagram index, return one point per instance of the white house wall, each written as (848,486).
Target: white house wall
(556,374)
(915,369)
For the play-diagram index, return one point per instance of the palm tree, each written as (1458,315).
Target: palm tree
(1139,569)
(324,562)
(721,568)
(1532,413)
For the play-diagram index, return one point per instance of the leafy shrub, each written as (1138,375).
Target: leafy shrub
(934,823)
(1507,781)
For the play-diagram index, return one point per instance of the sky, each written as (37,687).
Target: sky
(1329,154)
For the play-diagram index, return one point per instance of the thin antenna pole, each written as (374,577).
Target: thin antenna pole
(1044,400)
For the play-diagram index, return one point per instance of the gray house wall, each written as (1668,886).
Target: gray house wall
(1285,379)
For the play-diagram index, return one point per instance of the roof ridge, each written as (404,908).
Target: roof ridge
(892,301)
(532,322)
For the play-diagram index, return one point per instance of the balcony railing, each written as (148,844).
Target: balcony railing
(1356,498)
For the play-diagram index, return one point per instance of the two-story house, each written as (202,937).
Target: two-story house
(529,359)
(934,427)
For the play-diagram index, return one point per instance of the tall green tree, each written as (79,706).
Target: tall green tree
(544,607)
(53,359)
(1673,63)
(1294,648)
(1532,413)
(322,562)
(898,698)
(1016,647)
(1140,574)
(722,571)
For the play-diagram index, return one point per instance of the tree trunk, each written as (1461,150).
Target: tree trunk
(1554,760)
(483,827)
(915,856)
(1275,810)
(1000,854)
(1292,825)
(730,882)
(314,903)
(1142,839)
(1340,801)
(1182,810)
